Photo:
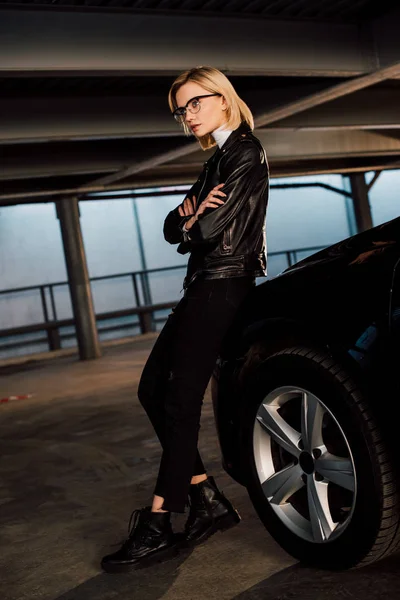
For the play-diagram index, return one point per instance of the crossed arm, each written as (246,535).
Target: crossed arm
(225,201)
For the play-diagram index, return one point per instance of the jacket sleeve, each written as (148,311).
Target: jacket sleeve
(173,224)
(240,173)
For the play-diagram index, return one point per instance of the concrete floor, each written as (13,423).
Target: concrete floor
(80,455)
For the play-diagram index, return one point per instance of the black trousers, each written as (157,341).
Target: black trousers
(176,376)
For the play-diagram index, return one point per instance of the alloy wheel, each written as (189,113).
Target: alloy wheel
(304,464)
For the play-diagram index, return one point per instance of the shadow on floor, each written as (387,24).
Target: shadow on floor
(380,580)
(150,583)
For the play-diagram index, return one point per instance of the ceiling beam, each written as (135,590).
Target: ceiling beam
(272,116)
(331,93)
(92,158)
(302,152)
(385,34)
(303,168)
(31,120)
(105,44)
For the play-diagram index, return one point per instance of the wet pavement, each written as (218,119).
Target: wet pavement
(80,454)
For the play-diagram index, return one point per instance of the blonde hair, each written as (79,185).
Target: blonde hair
(215,82)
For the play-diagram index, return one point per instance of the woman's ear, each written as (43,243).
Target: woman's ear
(224,104)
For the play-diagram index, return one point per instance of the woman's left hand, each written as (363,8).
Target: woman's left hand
(188,207)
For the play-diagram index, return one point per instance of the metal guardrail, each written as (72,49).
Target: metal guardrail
(145,311)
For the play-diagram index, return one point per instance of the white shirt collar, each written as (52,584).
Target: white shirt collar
(221,134)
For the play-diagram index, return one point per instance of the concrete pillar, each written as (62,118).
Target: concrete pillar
(362,208)
(78,278)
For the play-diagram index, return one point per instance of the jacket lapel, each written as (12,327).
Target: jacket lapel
(236,133)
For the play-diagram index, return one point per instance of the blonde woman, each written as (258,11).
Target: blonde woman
(220,224)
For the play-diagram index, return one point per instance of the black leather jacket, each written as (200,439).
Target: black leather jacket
(228,241)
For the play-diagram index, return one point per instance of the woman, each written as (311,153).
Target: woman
(221,224)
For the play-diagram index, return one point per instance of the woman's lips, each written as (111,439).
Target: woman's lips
(194,127)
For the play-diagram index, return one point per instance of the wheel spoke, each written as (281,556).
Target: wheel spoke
(321,522)
(279,430)
(283,484)
(311,422)
(336,470)
(299,443)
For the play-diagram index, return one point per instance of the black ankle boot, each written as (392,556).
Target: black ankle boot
(150,540)
(209,512)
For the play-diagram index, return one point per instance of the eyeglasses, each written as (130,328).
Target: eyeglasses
(193,105)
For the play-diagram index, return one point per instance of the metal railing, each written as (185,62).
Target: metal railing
(144,309)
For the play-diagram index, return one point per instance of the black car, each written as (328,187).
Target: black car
(306,394)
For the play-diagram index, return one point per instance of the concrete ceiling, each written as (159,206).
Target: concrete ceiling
(83,103)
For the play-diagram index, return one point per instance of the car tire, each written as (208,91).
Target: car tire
(330,519)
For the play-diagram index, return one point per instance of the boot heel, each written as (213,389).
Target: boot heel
(229,521)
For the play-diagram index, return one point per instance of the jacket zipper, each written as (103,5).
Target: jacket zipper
(226,242)
(187,283)
(202,187)
(193,277)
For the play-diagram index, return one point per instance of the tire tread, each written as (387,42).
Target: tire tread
(388,536)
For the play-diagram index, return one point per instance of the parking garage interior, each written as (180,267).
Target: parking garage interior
(91,161)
